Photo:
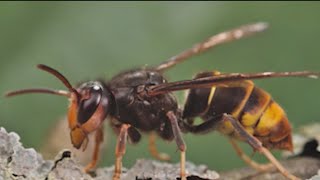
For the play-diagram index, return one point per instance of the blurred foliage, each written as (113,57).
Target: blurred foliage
(86,40)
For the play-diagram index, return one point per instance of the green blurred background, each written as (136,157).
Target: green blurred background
(86,40)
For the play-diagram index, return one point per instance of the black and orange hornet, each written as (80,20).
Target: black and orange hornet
(141,101)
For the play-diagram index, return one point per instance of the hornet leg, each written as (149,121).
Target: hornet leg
(257,145)
(248,160)
(120,150)
(180,143)
(153,149)
(96,152)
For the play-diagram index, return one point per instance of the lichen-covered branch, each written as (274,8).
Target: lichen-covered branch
(17,162)
(303,167)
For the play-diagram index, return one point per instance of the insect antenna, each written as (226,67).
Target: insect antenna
(37,90)
(58,75)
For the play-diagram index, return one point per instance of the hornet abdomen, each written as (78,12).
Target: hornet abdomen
(253,107)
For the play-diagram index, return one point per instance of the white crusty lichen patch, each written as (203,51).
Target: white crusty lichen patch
(65,167)
(146,169)
(17,162)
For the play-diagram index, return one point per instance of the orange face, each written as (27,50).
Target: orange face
(87,110)
(89,104)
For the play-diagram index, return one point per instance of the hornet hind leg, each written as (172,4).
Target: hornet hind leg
(213,124)
(248,160)
(257,145)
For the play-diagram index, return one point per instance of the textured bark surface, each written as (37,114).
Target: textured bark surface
(17,162)
(302,167)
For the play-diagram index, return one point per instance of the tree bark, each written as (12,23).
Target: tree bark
(17,162)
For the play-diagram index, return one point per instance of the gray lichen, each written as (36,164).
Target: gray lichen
(17,162)
(66,166)
(144,169)
(303,167)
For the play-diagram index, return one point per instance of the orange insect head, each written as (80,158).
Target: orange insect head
(89,105)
